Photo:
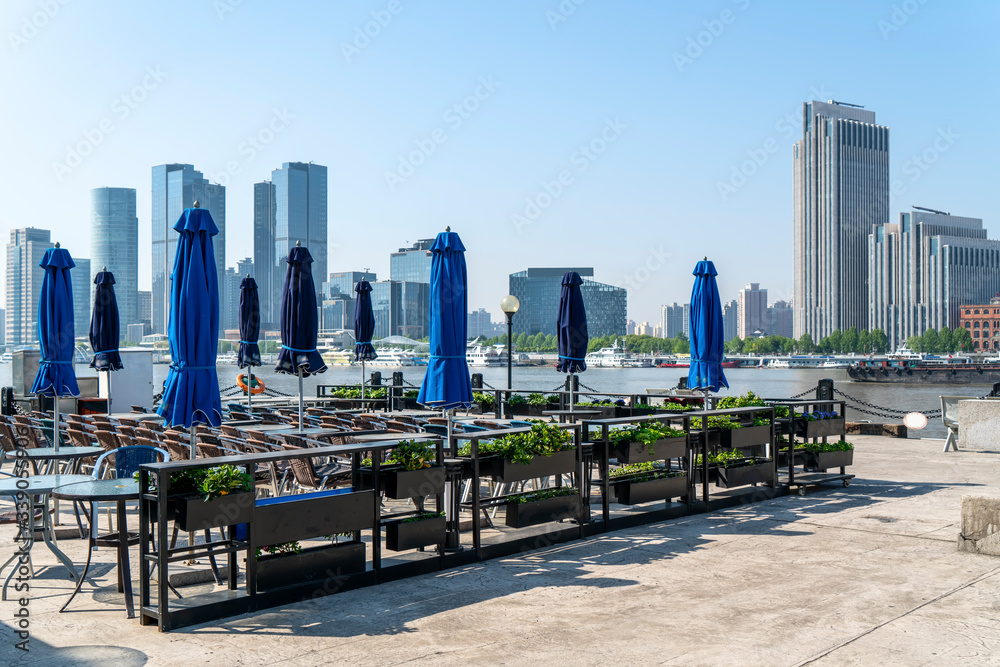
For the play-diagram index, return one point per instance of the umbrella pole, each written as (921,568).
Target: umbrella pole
(569,378)
(250,390)
(301,410)
(362,382)
(193,440)
(55,420)
(109,393)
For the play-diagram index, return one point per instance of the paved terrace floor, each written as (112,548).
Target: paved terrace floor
(869,574)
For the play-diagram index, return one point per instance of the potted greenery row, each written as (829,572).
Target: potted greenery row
(645,482)
(542,506)
(826,455)
(532,405)
(543,451)
(288,564)
(411,532)
(410,471)
(204,498)
(733,468)
(650,441)
(819,424)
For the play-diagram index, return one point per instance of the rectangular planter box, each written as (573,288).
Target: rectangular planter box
(541,466)
(827,460)
(402,484)
(301,519)
(636,452)
(757,473)
(821,428)
(800,458)
(713,475)
(748,436)
(634,493)
(520,515)
(193,514)
(406,535)
(314,564)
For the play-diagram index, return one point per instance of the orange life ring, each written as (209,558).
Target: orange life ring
(258,384)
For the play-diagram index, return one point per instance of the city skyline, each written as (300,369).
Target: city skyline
(505,129)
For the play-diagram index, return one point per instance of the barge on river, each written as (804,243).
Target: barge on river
(907,367)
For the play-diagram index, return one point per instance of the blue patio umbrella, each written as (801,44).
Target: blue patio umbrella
(571,330)
(364,328)
(706,331)
(104,327)
(446,383)
(249,353)
(299,322)
(56,376)
(191,394)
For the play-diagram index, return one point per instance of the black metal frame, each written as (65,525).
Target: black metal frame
(789,428)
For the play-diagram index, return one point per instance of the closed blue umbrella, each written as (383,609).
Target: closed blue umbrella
(104,325)
(364,328)
(446,383)
(299,322)
(56,376)
(706,331)
(249,353)
(191,395)
(572,329)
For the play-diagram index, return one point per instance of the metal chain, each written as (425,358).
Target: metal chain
(805,393)
(889,411)
(488,385)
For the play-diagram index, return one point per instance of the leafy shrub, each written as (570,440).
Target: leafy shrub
(542,494)
(544,439)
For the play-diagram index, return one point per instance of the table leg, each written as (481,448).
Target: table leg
(13,560)
(90,553)
(124,570)
(46,530)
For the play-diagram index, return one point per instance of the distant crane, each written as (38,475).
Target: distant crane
(847,104)
(930,210)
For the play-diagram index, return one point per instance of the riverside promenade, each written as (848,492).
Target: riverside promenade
(868,574)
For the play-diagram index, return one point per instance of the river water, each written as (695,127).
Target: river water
(770,383)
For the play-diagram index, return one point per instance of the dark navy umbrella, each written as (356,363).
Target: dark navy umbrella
(191,395)
(364,328)
(446,383)
(299,322)
(571,330)
(104,326)
(56,376)
(706,331)
(249,354)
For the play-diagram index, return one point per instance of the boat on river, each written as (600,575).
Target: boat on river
(904,366)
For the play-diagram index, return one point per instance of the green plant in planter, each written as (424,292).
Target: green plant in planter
(483,398)
(516,399)
(223,480)
(544,439)
(413,393)
(716,422)
(647,434)
(283,549)
(413,455)
(355,392)
(643,472)
(840,446)
(538,399)
(181,482)
(727,459)
(677,407)
(423,516)
(542,494)
(749,400)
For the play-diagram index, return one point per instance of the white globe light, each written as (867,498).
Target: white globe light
(915,420)
(509,304)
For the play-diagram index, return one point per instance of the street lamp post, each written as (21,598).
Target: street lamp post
(509,305)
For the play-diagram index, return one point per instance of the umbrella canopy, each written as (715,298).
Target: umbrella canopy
(446,383)
(572,326)
(104,327)
(364,323)
(706,331)
(56,376)
(299,320)
(191,394)
(249,354)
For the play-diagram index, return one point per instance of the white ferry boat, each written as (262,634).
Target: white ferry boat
(6,358)
(485,356)
(226,358)
(339,357)
(616,357)
(391,356)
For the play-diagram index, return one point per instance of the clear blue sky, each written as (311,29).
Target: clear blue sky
(642,212)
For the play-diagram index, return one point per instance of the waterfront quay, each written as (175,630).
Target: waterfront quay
(868,574)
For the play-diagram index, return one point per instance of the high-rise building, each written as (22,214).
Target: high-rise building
(145,307)
(925,268)
(343,282)
(412,264)
(3,329)
(730,319)
(841,194)
(401,309)
(630,328)
(83,280)
(779,319)
(175,188)
(266,272)
(753,310)
(24,283)
(644,329)
(300,214)
(229,293)
(672,320)
(114,244)
(480,324)
(538,291)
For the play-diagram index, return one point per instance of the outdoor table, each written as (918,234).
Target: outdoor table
(285,429)
(570,415)
(119,491)
(49,454)
(39,486)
